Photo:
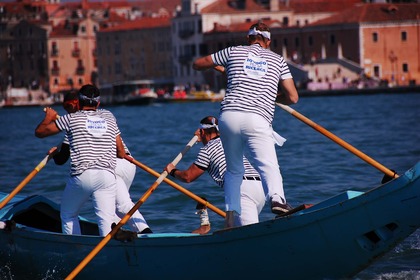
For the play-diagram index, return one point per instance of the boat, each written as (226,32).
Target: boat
(133,92)
(24,97)
(179,95)
(333,239)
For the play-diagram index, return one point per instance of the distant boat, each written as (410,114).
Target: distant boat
(333,239)
(133,92)
(194,96)
(19,97)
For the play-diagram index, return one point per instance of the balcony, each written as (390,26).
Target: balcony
(55,71)
(75,52)
(54,52)
(185,59)
(80,70)
(184,34)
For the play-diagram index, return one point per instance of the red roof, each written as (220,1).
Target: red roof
(229,7)
(374,13)
(317,6)
(298,6)
(143,23)
(243,26)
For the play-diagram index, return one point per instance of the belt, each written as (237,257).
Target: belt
(251,178)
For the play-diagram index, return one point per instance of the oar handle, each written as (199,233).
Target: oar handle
(179,157)
(339,141)
(136,206)
(177,186)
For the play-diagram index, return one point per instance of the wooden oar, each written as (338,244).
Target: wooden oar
(339,141)
(124,220)
(176,186)
(26,180)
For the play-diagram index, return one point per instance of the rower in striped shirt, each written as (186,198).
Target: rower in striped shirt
(254,75)
(94,140)
(211,158)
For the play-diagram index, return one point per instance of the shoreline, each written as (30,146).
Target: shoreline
(363,91)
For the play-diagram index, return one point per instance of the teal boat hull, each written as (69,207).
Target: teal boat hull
(334,239)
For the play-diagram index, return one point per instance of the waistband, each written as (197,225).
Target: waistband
(251,178)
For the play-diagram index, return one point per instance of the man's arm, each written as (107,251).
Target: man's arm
(288,94)
(187,176)
(47,127)
(203,63)
(120,147)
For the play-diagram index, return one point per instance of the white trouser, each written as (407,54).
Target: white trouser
(95,183)
(125,172)
(250,133)
(252,202)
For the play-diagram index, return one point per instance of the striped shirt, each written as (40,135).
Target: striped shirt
(211,157)
(127,151)
(91,136)
(253,77)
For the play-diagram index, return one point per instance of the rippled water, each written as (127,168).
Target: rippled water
(384,126)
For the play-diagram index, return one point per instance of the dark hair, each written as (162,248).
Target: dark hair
(88,96)
(71,95)
(211,121)
(261,26)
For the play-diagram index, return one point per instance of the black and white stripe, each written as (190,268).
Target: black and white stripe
(90,150)
(211,157)
(246,93)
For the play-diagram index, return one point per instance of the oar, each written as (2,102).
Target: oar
(124,220)
(26,180)
(176,186)
(339,141)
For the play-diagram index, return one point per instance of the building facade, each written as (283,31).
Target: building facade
(23,53)
(72,55)
(135,50)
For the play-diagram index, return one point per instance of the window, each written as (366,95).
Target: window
(375,37)
(310,41)
(376,71)
(405,67)
(118,68)
(297,42)
(404,36)
(332,39)
(199,29)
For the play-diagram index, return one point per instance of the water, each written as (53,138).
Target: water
(386,127)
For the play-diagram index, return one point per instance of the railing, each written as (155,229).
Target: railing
(184,59)
(55,71)
(75,53)
(80,70)
(184,34)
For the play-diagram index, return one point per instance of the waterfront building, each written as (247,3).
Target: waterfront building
(72,54)
(23,53)
(135,50)
(200,19)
